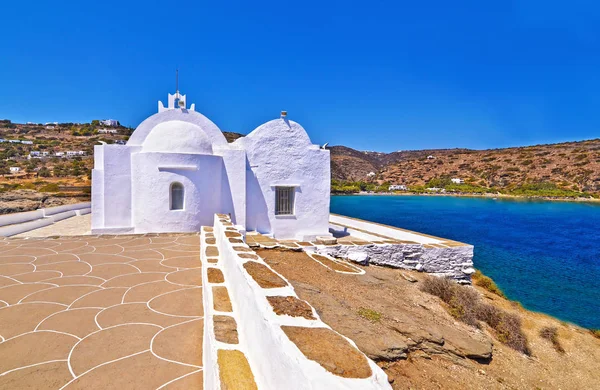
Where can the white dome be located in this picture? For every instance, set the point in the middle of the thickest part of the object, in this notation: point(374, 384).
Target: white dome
point(177, 137)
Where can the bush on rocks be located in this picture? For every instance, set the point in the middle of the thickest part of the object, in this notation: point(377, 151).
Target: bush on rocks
point(465, 305)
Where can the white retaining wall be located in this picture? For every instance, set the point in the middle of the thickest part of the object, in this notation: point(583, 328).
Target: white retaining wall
point(12, 224)
point(383, 230)
point(275, 361)
point(10, 219)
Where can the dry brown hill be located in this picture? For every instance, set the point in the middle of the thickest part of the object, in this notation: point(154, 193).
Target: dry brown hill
point(570, 165)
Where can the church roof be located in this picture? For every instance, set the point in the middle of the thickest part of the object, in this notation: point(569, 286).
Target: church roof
point(177, 137)
point(177, 111)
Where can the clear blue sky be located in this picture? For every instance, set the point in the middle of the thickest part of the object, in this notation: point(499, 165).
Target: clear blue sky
point(373, 75)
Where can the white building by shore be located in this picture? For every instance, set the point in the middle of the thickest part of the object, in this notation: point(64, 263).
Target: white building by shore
point(177, 170)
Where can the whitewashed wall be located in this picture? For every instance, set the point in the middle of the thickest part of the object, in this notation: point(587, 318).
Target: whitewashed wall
point(152, 176)
point(280, 153)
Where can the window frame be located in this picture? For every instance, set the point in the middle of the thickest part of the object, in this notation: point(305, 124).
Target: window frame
point(288, 209)
point(171, 198)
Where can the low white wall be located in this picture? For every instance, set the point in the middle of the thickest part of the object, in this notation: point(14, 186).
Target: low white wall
point(67, 207)
point(84, 211)
point(10, 219)
point(11, 230)
point(384, 230)
point(276, 362)
point(12, 224)
point(64, 215)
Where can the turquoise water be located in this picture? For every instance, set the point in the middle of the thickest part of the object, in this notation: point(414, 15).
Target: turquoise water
point(543, 254)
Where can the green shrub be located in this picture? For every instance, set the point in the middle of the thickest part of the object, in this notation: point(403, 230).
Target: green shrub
point(371, 315)
point(50, 187)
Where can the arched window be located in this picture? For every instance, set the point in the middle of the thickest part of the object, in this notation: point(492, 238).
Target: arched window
point(177, 195)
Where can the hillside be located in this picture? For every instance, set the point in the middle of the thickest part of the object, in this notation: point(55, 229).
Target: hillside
point(571, 166)
point(422, 342)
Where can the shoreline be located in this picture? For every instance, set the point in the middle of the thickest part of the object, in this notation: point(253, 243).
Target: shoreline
point(472, 195)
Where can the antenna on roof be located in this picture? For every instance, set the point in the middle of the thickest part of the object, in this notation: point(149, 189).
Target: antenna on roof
point(177, 80)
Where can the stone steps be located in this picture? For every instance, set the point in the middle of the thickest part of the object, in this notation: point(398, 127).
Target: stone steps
point(260, 333)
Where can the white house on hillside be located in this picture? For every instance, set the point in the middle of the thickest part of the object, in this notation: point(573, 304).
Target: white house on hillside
point(110, 122)
point(457, 181)
point(177, 170)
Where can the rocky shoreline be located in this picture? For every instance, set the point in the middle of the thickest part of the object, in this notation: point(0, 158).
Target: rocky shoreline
point(27, 200)
point(473, 195)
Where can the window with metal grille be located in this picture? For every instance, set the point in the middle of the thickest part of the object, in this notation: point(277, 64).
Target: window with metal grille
point(284, 200)
point(177, 195)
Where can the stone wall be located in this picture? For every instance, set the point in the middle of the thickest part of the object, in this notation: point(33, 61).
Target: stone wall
point(455, 262)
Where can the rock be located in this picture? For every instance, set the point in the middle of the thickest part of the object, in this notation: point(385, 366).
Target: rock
point(359, 257)
point(325, 240)
point(476, 347)
point(408, 277)
point(469, 271)
point(419, 267)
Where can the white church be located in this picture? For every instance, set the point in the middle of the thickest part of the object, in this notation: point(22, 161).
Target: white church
point(177, 170)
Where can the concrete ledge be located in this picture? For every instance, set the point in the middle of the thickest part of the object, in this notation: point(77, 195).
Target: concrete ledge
point(67, 207)
point(11, 230)
point(63, 215)
point(84, 211)
point(26, 216)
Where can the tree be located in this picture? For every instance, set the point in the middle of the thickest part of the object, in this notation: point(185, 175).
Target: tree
point(44, 172)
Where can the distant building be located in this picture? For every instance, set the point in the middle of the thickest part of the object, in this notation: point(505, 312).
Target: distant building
point(34, 153)
point(45, 154)
point(50, 127)
point(430, 157)
point(398, 187)
point(59, 154)
point(436, 189)
point(2, 140)
point(14, 141)
point(27, 142)
point(110, 122)
point(14, 169)
point(370, 174)
point(71, 153)
point(107, 131)
point(51, 123)
point(120, 142)
point(457, 181)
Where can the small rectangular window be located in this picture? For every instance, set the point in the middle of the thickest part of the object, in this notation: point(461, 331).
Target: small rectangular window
point(284, 200)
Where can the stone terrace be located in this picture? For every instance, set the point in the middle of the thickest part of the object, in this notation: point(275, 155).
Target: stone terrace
point(98, 312)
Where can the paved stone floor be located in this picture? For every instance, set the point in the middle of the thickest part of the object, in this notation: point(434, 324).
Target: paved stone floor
point(101, 312)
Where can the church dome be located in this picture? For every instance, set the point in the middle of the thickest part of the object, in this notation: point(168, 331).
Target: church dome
point(177, 137)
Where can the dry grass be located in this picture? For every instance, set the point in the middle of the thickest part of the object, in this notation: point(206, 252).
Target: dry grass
point(465, 305)
point(551, 333)
point(481, 280)
point(595, 333)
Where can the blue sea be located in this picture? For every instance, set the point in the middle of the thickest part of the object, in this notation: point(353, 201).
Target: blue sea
point(544, 254)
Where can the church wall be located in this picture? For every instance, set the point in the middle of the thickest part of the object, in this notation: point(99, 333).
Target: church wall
point(152, 176)
point(233, 183)
point(279, 154)
point(111, 187)
point(117, 186)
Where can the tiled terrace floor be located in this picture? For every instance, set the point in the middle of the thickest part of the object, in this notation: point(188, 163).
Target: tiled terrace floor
point(101, 312)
